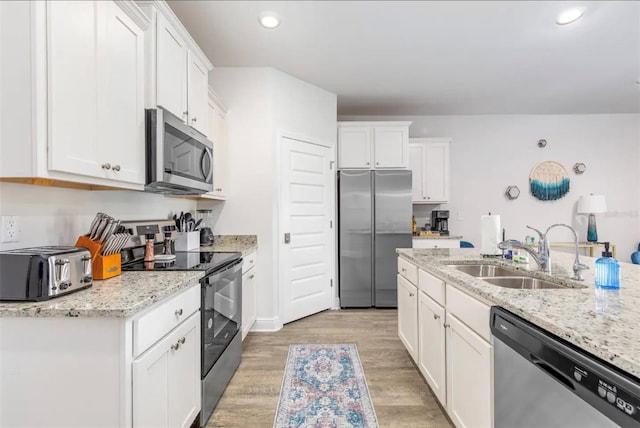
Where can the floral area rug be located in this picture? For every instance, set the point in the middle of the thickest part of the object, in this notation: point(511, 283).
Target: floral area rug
point(324, 386)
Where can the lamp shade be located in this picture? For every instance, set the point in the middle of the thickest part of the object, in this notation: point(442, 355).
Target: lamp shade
point(592, 204)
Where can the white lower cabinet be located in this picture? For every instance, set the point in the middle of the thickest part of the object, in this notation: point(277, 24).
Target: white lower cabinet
point(249, 293)
point(469, 376)
point(431, 342)
point(450, 345)
point(408, 316)
point(166, 379)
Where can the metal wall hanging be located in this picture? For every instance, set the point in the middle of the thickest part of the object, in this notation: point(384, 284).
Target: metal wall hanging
point(542, 143)
point(512, 192)
point(549, 181)
point(579, 168)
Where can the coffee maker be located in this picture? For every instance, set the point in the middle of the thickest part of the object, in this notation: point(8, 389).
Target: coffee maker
point(440, 221)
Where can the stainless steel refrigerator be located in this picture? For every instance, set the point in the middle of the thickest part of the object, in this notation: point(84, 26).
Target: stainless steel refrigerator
point(374, 219)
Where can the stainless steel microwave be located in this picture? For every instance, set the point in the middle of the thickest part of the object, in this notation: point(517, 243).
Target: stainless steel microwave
point(179, 158)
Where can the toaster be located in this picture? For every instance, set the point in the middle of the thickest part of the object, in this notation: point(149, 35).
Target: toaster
point(42, 273)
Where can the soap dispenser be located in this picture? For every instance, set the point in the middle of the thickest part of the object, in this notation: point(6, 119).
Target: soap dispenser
point(607, 270)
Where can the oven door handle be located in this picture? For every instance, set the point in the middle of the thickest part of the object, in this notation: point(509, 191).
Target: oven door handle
point(235, 266)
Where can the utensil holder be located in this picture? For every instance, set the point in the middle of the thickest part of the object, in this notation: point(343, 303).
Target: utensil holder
point(103, 267)
point(186, 241)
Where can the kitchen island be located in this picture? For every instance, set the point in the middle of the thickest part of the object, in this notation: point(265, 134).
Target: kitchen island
point(124, 352)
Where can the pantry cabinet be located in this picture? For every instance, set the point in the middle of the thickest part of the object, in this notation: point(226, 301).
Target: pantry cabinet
point(454, 352)
point(373, 145)
point(84, 97)
point(429, 162)
point(177, 71)
point(217, 121)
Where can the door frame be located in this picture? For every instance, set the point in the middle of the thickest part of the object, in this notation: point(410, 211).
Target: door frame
point(278, 227)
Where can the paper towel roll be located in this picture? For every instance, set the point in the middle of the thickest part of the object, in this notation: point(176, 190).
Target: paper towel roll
point(490, 235)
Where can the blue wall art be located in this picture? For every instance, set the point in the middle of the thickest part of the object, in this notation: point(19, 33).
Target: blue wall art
point(549, 181)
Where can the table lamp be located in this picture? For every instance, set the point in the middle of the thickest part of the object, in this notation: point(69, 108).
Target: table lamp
point(592, 204)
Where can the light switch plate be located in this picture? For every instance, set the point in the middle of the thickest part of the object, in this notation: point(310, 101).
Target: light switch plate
point(10, 229)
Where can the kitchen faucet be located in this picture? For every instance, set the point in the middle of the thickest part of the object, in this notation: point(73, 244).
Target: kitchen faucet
point(542, 257)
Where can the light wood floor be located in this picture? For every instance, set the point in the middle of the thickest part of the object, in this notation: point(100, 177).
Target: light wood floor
point(400, 395)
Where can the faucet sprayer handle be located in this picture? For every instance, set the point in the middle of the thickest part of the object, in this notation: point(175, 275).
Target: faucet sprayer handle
point(577, 271)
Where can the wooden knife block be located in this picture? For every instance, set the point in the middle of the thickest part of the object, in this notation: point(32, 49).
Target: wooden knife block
point(103, 267)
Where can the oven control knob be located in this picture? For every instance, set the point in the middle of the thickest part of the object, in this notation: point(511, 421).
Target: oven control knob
point(611, 397)
point(577, 375)
point(602, 392)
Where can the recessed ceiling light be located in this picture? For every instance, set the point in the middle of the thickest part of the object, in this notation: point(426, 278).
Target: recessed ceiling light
point(269, 19)
point(569, 16)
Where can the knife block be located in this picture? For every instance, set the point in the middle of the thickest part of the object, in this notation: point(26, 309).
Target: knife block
point(103, 267)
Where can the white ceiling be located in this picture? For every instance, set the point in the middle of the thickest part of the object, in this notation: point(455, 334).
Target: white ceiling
point(420, 58)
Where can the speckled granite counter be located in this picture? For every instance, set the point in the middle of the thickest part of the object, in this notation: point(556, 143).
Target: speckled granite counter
point(601, 322)
point(232, 244)
point(118, 297)
point(439, 237)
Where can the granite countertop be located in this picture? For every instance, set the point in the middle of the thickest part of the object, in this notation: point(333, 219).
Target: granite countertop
point(231, 244)
point(602, 322)
point(119, 297)
point(439, 237)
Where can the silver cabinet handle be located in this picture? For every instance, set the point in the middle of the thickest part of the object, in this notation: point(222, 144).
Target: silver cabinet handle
point(175, 347)
point(377, 163)
point(116, 167)
point(106, 166)
point(182, 340)
point(435, 316)
point(251, 276)
point(411, 294)
point(428, 197)
point(424, 197)
point(367, 163)
point(403, 270)
point(195, 119)
point(446, 325)
point(178, 312)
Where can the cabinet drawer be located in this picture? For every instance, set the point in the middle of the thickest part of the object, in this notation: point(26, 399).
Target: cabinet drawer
point(431, 286)
point(470, 311)
point(408, 270)
point(249, 262)
point(153, 325)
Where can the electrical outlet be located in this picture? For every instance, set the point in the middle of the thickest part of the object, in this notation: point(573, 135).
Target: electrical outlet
point(10, 229)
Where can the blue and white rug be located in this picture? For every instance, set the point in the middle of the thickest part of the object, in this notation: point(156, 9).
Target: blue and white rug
point(324, 386)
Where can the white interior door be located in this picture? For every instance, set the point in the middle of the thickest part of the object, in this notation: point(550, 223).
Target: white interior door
point(306, 213)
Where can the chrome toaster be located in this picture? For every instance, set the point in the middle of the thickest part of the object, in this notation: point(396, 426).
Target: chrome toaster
point(41, 273)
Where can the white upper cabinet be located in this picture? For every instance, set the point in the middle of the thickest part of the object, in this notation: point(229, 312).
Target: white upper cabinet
point(198, 94)
point(372, 145)
point(171, 72)
point(429, 161)
point(178, 71)
point(96, 91)
point(216, 118)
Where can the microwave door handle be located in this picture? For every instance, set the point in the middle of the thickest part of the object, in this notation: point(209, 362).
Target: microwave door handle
point(208, 174)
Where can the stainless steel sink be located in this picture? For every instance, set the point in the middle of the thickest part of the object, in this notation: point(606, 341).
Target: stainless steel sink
point(523, 283)
point(481, 270)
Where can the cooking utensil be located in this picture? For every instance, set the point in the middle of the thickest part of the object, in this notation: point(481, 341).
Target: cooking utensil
point(192, 225)
point(197, 224)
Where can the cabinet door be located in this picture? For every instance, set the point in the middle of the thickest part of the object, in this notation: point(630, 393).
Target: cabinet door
point(72, 81)
point(408, 316)
point(121, 95)
point(436, 172)
point(166, 379)
point(390, 146)
point(469, 376)
point(198, 93)
point(249, 303)
point(431, 342)
point(416, 162)
point(171, 71)
point(354, 147)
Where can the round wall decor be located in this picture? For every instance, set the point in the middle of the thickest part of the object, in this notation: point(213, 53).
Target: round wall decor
point(549, 181)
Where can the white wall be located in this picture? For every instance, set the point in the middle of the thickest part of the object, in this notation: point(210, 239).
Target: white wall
point(263, 103)
point(489, 153)
point(57, 216)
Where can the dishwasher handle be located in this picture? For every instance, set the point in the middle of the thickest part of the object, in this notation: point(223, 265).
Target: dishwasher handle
point(551, 371)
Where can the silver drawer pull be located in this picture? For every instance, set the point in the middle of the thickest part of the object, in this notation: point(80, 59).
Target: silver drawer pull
point(251, 276)
point(116, 168)
point(178, 312)
point(175, 347)
point(106, 166)
point(435, 317)
point(182, 340)
point(446, 325)
point(404, 270)
point(411, 294)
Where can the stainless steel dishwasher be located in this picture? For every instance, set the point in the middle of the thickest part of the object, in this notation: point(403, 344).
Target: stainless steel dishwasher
point(542, 381)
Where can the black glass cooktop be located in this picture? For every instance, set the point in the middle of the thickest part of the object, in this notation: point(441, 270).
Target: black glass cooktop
point(208, 262)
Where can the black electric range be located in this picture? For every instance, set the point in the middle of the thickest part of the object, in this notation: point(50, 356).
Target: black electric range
point(208, 262)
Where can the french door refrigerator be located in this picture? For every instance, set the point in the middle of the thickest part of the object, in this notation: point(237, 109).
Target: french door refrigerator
point(374, 219)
